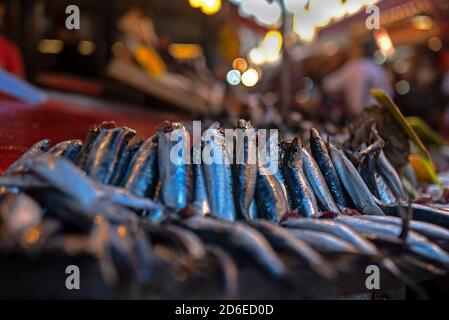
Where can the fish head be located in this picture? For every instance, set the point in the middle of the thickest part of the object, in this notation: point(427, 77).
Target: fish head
point(292, 151)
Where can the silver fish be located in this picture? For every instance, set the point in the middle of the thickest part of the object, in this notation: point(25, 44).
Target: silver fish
point(322, 241)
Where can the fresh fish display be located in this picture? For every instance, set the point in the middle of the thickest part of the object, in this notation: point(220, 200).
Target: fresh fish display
point(150, 217)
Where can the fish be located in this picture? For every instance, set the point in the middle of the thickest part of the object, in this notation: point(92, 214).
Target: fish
point(253, 210)
point(89, 141)
point(124, 161)
point(142, 173)
point(173, 162)
point(218, 174)
point(270, 197)
point(389, 175)
point(420, 212)
point(229, 270)
point(429, 230)
point(238, 239)
point(245, 168)
point(105, 153)
point(18, 214)
point(302, 196)
point(38, 148)
point(418, 243)
point(316, 180)
point(281, 239)
point(200, 199)
point(360, 195)
point(322, 241)
point(336, 229)
point(67, 149)
point(321, 155)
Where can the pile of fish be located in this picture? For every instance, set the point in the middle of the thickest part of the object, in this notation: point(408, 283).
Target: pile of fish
point(124, 202)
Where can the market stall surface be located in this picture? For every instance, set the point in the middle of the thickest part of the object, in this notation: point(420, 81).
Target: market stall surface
point(65, 117)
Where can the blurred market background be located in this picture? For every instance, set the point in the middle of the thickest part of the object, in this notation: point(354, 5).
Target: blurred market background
point(290, 64)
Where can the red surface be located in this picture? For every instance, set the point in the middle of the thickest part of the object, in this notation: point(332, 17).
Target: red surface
point(21, 125)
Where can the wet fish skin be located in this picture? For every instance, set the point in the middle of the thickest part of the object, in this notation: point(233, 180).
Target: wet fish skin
point(105, 153)
point(270, 197)
point(302, 196)
point(337, 229)
point(324, 197)
point(429, 230)
point(123, 162)
point(218, 174)
point(246, 172)
point(421, 212)
point(324, 162)
point(67, 149)
point(142, 174)
point(200, 199)
point(418, 244)
point(253, 210)
point(389, 174)
point(360, 195)
point(38, 148)
point(239, 239)
point(89, 141)
point(175, 175)
point(281, 239)
point(367, 170)
point(322, 241)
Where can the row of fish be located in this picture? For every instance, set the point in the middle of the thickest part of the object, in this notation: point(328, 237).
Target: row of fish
point(126, 194)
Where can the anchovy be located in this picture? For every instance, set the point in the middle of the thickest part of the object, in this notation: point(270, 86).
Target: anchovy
point(229, 271)
point(218, 173)
point(354, 184)
point(325, 200)
point(245, 168)
point(105, 153)
point(323, 242)
point(89, 141)
point(178, 237)
point(386, 195)
point(418, 244)
point(421, 212)
point(239, 239)
point(270, 197)
point(173, 161)
point(142, 174)
point(36, 149)
point(302, 196)
point(337, 229)
point(281, 239)
point(67, 149)
point(123, 163)
point(324, 162)
point(200, 200)
point(389, 174)
point(18, 213)
point(428, 230)
point(367, 170)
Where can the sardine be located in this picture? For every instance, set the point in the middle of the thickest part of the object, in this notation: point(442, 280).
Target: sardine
point(429, 230)
point(105, 153)
point(142, 174)
point(324, 197)
point(270, 197)
point(36, 149)
point(173, 160)
point(218, 173)
point(360, 195)
point(239, 239)
point(337, 229)
point(302, 196)
point(418, 244)
point(421, 212)
point(200, 199)
point(322, 241)
point(245, 168)
point(67, 149)
point(389, 174)
point(281, 239)
point(324, 162)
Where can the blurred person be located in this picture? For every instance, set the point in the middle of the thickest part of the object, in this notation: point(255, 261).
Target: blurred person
point(356, 78)
point(10, 57)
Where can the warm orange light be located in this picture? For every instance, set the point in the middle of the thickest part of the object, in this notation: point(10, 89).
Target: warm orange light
point(32, 236)
point(240, 64)
point(185, 51)
point(384, 42)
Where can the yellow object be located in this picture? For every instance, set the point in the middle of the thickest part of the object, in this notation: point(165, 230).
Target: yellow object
point(421, 168)
point(425, 132)
point(150, 60)
point(185, 51)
